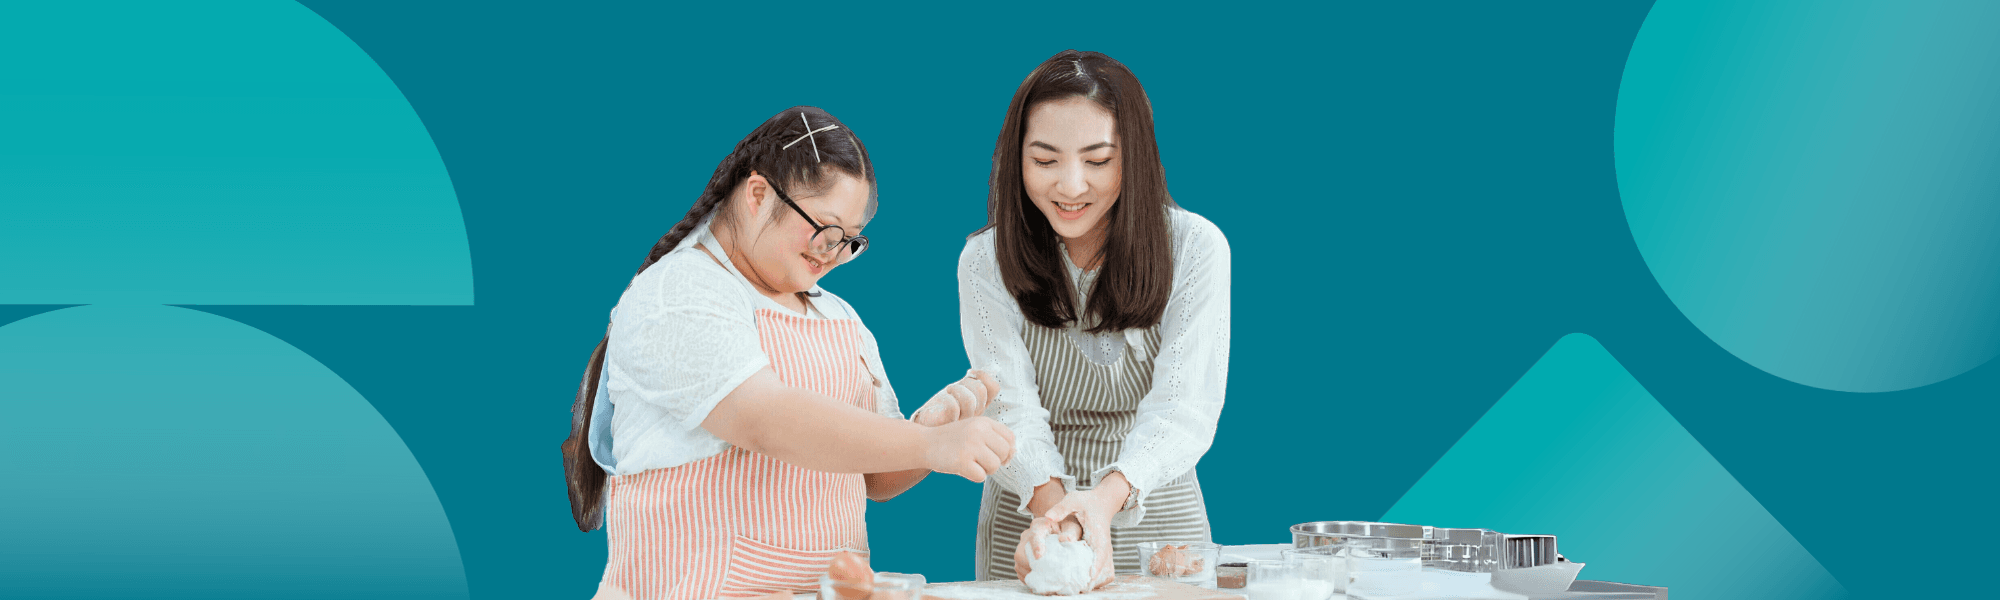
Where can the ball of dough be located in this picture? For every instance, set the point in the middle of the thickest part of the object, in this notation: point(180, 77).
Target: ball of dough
point(1063, 569)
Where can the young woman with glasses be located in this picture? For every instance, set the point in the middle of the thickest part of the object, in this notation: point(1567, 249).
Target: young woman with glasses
point(729, 427)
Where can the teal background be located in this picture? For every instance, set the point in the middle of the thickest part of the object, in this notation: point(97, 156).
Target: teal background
point(1422, 199)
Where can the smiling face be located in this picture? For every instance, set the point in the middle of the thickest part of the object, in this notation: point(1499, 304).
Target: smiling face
point(779, 261)
point(1070, 167)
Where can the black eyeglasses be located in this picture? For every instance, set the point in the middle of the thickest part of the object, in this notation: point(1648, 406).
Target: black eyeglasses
point(822, 242)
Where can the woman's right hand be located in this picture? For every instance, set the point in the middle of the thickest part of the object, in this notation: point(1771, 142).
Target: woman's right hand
point(971, 448)
point(1037, 532)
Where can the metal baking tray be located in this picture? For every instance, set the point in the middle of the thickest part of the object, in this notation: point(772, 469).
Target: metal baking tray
point(1328, 533)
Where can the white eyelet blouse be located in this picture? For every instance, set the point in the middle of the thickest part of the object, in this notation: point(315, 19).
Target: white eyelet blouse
point(1177, 417)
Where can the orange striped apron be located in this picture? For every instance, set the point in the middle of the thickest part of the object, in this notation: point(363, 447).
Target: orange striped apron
point(741, 524)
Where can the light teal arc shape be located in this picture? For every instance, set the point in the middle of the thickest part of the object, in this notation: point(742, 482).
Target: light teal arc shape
point(161, 452)
point(1816, 184)
point(229, 152)
point(1578, 450)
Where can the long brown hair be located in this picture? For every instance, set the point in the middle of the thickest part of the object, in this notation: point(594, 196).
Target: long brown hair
point(1136, 275)
point(802, 167)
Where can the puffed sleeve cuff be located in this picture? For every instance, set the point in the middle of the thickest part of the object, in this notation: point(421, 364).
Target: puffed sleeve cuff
point(1134, 509)
point(1031, 469)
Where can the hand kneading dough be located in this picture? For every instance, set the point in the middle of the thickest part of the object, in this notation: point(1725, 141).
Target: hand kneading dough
point(1063, 569)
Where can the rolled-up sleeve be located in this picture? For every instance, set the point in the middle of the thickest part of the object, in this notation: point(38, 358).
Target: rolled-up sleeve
point(682, 345)
point(1177, 418)
point(990, 322)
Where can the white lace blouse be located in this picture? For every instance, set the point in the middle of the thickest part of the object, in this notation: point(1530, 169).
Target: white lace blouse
point(1177, 417)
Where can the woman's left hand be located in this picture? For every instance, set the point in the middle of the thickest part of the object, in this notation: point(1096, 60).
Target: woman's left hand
point(1093, 509)
point(963, 399)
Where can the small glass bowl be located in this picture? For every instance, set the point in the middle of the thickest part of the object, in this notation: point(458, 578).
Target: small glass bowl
point(1322, 571)
point(1192, 563)
point(1271, 580)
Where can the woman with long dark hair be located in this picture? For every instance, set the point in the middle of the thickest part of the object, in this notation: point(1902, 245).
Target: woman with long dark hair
point(1102, 308)
point(730, 426)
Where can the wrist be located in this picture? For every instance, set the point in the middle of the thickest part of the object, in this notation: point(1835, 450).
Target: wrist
point(1045, 496)
point(1109, 500)
point(1113, 491)
point(926, 442)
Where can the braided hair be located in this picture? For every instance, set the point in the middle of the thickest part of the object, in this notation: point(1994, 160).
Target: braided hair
point(804, 165)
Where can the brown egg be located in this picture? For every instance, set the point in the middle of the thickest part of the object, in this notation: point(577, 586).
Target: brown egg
point(852, 579)
point(1174, 561)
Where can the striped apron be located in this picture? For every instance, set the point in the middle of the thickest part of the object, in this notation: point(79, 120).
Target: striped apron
point(1091, 408)
point(741, 524)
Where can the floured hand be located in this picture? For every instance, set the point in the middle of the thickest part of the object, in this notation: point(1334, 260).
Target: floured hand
point(973, 448)
point(1093, 509)
point(967, 397)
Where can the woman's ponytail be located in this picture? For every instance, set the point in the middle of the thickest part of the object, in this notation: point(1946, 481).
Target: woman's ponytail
point(586, 478)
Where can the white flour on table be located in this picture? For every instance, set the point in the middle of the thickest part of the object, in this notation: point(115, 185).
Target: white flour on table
point(1015, 590)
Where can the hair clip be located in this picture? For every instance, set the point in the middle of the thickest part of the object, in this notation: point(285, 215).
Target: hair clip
point(809, 135)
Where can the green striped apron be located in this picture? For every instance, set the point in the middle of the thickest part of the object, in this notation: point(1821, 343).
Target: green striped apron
point(1092, 404)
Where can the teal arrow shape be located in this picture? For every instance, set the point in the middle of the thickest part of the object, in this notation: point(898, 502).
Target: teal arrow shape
point(1579, 450)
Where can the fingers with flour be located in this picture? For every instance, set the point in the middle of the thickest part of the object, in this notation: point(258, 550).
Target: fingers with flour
point(966, 398)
